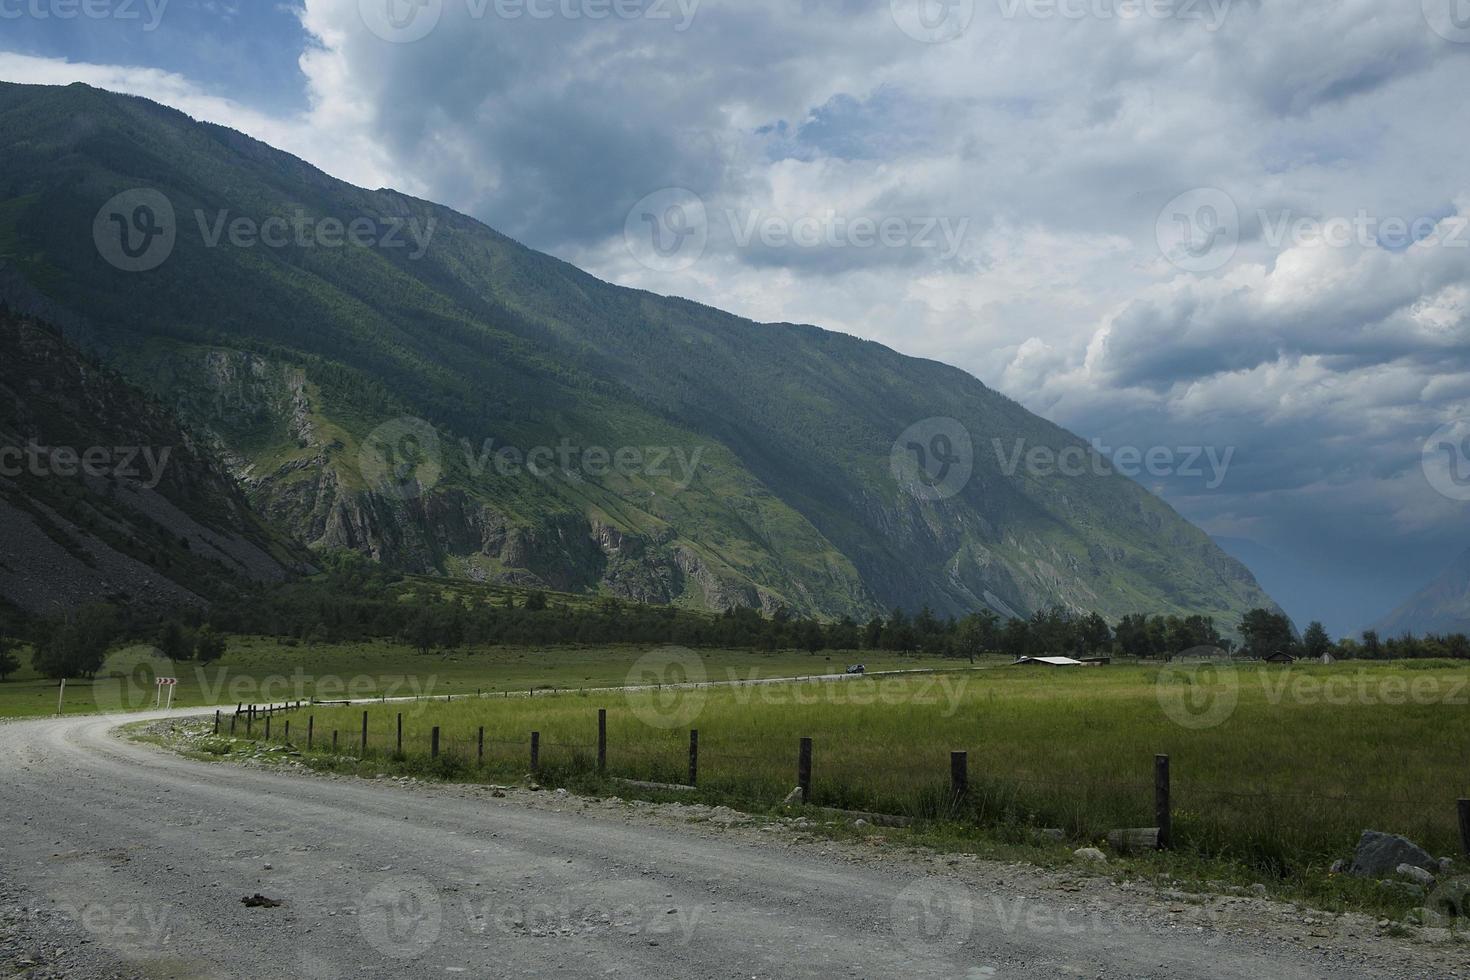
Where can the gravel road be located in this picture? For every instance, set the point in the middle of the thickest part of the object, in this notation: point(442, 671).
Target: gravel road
point(121, 859)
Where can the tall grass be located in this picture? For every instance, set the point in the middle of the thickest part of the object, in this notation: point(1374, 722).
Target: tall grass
point(1288, 778)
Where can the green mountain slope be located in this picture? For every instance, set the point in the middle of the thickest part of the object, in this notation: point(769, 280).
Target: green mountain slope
point(290, 359)
point(103, 496)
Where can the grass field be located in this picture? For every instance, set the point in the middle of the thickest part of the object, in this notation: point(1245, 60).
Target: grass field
point(1276, 768)
point(261, 670)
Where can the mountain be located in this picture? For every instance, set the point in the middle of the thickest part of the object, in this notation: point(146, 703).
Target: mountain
point(1442, 606)
point(102, 496)
point(353, 390)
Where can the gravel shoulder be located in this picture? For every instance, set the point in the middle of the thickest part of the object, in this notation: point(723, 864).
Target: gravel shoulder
point(126, 860)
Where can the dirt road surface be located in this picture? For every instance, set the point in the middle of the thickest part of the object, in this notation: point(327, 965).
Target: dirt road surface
point(119, 859)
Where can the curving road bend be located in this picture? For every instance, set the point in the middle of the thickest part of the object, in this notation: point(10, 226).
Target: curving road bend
point(120, 859)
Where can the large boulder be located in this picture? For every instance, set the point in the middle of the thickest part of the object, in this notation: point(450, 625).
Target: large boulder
point(1381, 854)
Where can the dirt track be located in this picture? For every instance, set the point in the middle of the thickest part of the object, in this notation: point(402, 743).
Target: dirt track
point(120, 859)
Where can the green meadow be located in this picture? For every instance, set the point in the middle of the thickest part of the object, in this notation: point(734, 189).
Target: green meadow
point(1276, 768)
point(261, 670)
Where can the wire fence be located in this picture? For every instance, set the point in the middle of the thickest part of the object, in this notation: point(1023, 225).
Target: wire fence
point(1263, 824)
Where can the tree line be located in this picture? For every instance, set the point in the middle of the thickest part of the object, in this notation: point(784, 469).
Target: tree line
point(358, 601)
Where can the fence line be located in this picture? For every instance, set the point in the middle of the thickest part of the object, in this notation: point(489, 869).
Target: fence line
point(961, 786)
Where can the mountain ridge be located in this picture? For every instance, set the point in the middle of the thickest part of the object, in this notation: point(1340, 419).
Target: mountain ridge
point(288, 361)
point(1442, 606)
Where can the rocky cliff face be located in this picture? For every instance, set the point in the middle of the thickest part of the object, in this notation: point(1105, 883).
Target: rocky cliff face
point(104, 496)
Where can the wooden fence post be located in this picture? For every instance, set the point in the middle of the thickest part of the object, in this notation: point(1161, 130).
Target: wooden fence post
point(1465, 825)
point(535, 751)
point(267, 728)
point(400, 733)
point(250, 725)
point(602, 740)
point(434, 743)
point(288, 730)
point(480, 751)
point(694, 757)
point(959, 775)
point(804, 770)
point(216, 721)
point(334, 741)
point(1163, 813)
point(310, 731)
point(232, 724)
point(363, 752)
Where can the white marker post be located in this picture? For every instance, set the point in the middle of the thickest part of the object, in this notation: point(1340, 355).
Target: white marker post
point(61, 696)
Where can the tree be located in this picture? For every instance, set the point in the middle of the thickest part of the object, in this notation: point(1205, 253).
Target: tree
point(9, 663)
point(1015, 638)
point(421, 633)
point(536, 602)
point(1372, 646)
point(1315, 641)
point(1266, 633)
point(873, 634)
point(209, 645)
point(843, 635)
point(78, 647)
point(1094, 633)
point(175, 642)
point(978, 632)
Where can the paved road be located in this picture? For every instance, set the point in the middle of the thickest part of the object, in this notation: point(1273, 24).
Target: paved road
point(138, 860)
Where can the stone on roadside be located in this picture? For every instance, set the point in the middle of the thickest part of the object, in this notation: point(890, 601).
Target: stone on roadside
point(1091, 854)
point(1417, 875)
point(1380, 854)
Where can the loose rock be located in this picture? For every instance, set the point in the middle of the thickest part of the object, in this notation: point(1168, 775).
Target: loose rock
point(1381, 854)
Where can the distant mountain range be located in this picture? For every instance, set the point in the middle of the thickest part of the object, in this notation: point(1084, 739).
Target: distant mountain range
point(395, 400)
point(1442, 606)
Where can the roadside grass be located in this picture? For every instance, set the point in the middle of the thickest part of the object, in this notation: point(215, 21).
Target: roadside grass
point(262, 670)
point(1277, 787)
